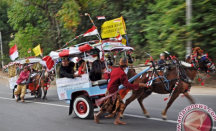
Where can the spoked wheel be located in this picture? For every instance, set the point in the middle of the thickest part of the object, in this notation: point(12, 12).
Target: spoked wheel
point(83, 107)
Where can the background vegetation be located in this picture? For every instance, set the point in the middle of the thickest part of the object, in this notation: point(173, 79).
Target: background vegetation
point(152, 25)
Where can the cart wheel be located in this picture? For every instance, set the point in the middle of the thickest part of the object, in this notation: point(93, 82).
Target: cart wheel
point(83, 107)
point(13, 96)
point(15, 87)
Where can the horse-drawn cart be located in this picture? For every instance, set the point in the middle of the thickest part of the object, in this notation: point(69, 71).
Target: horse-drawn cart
point(34, 64)
point(81, 93)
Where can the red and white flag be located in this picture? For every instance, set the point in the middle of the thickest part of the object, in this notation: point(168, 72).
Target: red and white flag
point(101, 17)
point(13, 53)
point(29, 51)
point(119, 37)
point(92, 31)
point(117, 20)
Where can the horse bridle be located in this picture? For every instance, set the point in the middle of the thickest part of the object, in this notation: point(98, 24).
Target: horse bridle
point(207, 64)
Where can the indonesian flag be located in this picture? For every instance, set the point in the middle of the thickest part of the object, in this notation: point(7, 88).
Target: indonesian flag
point(49, 62)
point(13, 53)
point(101, 17)
point(117, 20)
point(29, 51)
point(119, 37)
point(92, 31)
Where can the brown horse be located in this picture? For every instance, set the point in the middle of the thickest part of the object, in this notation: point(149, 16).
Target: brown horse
point(159, 87)
point(42, 80)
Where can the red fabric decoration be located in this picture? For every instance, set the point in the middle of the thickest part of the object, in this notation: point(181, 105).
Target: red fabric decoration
point(165, 99)
point(202, 83)
point(199, 79)
point(49, 62)
point(64, 53)
point(85, 47)
point(123, 92)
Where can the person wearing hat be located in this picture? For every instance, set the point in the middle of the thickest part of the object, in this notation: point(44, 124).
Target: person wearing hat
point(112, 101)
point(67, 69)
point(21, 84)
point(161, 61)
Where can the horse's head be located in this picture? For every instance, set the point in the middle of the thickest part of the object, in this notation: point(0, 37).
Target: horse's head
point(131, 73)
point(201, 61)
point(51, 75)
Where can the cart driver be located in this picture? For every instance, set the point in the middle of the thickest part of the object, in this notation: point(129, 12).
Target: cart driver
point(161, 61)
point(67, 69)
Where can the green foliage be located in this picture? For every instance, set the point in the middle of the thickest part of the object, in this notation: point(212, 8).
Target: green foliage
point(152, 26)
point(5, 30)
point(165, 27)
point(203, 27)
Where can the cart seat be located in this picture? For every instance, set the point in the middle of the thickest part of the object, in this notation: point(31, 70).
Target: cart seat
point(99, 82)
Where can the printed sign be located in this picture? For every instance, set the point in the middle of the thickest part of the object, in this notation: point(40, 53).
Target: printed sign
point(113, 27)
point(68, 84)
point(68, 81)
point(63, 89)
point(62, 95)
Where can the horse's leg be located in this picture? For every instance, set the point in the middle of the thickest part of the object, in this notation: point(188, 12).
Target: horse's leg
point(140, 99)
point(172, 99)
point(34, 91)
point(135, 94)
point(45, 92)
point(189, 97)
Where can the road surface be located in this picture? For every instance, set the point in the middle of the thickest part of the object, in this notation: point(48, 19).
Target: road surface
point(53, 115)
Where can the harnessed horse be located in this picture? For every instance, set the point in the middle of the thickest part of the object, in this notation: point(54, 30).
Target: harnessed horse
point(42, 80)
point(184, 74)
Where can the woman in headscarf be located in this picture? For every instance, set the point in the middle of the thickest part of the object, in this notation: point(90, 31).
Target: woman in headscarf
point(112, 101)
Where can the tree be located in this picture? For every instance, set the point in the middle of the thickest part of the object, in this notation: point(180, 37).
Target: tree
point(5, 29)
point(203, 27)
point(165, 27)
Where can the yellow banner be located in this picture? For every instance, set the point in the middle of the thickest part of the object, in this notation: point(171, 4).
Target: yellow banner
point(124, 41)
point(37, 50)
point(113, 27)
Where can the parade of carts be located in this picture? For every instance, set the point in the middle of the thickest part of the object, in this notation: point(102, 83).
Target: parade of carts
point(175, 77)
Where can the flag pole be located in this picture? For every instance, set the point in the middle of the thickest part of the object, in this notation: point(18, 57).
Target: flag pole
point(125, 32)
point(92, 23)
point(1, 52)
point(71, 40)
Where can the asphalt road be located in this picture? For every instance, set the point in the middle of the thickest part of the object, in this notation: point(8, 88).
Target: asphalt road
point(53, 115)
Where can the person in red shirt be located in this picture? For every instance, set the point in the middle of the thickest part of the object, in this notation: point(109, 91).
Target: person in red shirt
point(113, 103)
point(21, 84)
point(82, 67)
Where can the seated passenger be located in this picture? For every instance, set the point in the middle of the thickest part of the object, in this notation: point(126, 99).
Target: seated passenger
point(82, 67)
point(96, 71)
point(66, 69)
